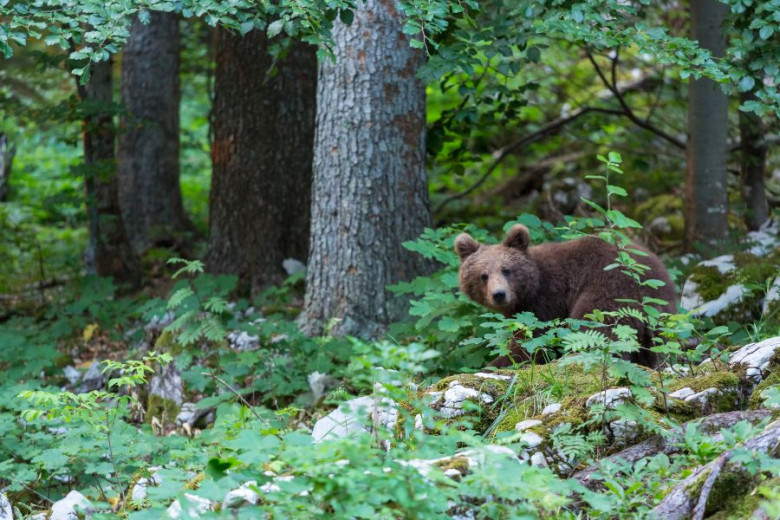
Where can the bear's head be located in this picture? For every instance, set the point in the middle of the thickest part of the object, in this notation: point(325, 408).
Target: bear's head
point(501, 277)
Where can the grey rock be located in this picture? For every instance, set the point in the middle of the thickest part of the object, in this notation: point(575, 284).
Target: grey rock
point(456, 395)
point(140, 488)
point(772, 298)
point(490, 375)
point(69, 507)
point(168, 384)
point(6, 511)
point(551, 409)
point(292, 266)
point(609, 398)
point(353, 417)
point(538, 459)
point(72, 375)
point(242, 341)
point(196, 506)
point(624, 431)
point(531, 439)
point(321, 383)
point(158, 323)
point(682, 393)
point(190, 414)
point(765, 239)
point(93, 379)
point(755, 358)
point(528, 423)
point(242, 496)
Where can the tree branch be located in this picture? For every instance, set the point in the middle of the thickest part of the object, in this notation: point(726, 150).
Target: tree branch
point(627, 111)
point(501, 154)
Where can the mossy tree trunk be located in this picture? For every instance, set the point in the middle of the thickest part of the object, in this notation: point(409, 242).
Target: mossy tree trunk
point(262, 158)
point(108, 249)
point(706, 202)
point(148, 151)
point(370, 189)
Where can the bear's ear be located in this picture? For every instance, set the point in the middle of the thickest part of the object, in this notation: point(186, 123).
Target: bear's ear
point(518, 237)
point(465, 246)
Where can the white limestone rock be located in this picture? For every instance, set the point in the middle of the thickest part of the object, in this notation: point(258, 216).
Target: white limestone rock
point(609, 398)
point(538, 459)
point(551, 409)
point(140, 488)
point(168, 385)
point(242, 341)
point(682, 393)
point(71, 507)
point(320, 383)
point(456, 395)
point(6, 511)
point(624, 431)
point(355, 417)
point(292, 266)
point(755, 358)
point(196, 506)
point(242, 496)
point(528, 423)
point(531, 439)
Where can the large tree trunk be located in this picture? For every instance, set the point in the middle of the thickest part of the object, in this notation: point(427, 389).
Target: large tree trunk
point(108, 250)
point(753, 150)
point(370, 189)
point(706, 202)
point(262, 158)
point(148, 152)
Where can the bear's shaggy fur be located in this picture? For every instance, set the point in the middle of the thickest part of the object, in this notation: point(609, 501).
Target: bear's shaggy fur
point(556, 280)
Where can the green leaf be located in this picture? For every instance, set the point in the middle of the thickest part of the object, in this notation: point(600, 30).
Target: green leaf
point(766, 31)
point(346, 16)
point(615, 157)
point(275, 28)
point(622, 221)
point(746, 83)
point(616, 190)
point(534, 54)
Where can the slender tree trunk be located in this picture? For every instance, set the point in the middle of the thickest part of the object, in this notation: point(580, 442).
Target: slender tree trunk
point(706, 201)
point(148, 152)
point(262, 158)
point(7, 153)
point(753, 151)
point(370, 189)
point(108, 250)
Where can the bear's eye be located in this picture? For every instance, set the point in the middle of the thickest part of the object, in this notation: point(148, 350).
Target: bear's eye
point(484, 277)
point(505, 271)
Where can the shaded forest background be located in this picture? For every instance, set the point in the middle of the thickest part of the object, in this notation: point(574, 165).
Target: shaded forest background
point(219, 221)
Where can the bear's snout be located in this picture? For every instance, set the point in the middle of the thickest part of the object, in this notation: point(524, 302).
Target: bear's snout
point(499, 297)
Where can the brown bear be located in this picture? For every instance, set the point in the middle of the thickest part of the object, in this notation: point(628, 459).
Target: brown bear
point(556, 280)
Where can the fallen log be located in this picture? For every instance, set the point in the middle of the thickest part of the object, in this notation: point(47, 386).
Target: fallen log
point(670, 444)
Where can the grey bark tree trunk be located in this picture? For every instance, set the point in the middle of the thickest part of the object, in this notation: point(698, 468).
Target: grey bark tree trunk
point(262, 158)
point(148, 151)
point(706, 202)
point(370, 189)
point(753, 158)
point(7, 153)
point(108, 249)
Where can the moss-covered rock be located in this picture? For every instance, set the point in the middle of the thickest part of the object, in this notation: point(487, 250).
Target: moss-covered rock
point(728, 288)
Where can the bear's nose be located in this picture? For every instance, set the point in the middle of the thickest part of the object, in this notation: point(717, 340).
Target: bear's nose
point(499, 296)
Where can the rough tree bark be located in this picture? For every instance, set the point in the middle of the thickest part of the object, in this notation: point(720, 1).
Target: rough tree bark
point(148, 151)
point(108, 249)
point(7, 153)
point(753, 149)
point(370, 188)
point(706, 202)
point(262, 158)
